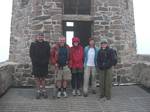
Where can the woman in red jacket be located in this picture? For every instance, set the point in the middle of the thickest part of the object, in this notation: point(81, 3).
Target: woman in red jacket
point(76, 65)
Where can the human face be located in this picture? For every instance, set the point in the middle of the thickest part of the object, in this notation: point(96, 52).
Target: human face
point(62, 41)
point(39, 38)
point(76, 43)
point(91, 43)
point(104, 45)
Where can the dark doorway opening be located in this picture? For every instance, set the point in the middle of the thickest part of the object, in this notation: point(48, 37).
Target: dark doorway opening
point(81, 29)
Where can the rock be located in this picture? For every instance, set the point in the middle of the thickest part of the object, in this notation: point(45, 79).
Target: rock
point(41, 18)
point(37, 27)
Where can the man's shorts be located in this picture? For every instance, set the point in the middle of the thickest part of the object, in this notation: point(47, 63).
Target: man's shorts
point(40, 71)
point(64, 74)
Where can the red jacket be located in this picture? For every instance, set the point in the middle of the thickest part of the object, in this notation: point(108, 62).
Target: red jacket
point(76, 57)
point(54, 54)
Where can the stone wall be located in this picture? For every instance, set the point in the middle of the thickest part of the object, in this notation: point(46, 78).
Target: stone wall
point(6, 73)
point(142, 58)
point(30, 17)
point(141, 70)
point(114, 19)
point(23, 76)
point(19, 75)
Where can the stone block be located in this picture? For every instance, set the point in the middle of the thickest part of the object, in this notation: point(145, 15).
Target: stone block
point(7, 70)
point(142, 73)
point(41, 18)
point(37, 27)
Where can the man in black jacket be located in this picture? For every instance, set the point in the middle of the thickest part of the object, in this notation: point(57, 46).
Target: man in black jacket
point(105, 63)
point(39, 54)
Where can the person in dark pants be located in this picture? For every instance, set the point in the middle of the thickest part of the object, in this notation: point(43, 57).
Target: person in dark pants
point(39, 54)
point(76, 65)
point(105, 63)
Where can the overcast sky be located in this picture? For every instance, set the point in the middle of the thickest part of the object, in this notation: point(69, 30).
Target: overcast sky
point(5, 21)
point(142, 22)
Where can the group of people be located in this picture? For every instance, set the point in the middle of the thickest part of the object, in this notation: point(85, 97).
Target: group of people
point(83, 63)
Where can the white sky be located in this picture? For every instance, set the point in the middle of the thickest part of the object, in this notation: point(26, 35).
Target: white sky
point(5, 21)
point(142, 22)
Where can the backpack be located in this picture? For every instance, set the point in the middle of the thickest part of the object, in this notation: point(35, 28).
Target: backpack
point(114, 57)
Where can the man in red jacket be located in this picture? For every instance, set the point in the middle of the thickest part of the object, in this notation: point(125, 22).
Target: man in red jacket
point(76, 65)
point(60, 58)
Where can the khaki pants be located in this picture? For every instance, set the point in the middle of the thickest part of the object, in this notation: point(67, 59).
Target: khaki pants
point(87, 72)
point(63, 74)
point(105, 82)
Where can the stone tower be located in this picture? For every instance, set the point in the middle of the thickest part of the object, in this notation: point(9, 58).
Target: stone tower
point(111, 19)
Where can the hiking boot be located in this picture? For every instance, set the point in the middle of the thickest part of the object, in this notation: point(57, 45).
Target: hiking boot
point(38, 95)
point(45, 94)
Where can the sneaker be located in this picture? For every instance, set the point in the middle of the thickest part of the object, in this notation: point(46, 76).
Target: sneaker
point(59, 94)
point(38, 95)
point(74, 93)
point(78, 93)
point(94, 91)
point(102, 96)
point(108, 98)
point(85, 95)
point(102, 99)
point(65, 94)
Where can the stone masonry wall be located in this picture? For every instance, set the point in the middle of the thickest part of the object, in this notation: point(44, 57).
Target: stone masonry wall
point(30, 17)
point(6, 73)
point(114, 20)
point(141, 70)
point(23, 76)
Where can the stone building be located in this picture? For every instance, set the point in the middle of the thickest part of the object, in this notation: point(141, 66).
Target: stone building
point(111, 19)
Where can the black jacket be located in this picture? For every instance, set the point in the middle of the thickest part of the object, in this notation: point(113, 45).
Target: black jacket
point(104, 58)
point(40, 53)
